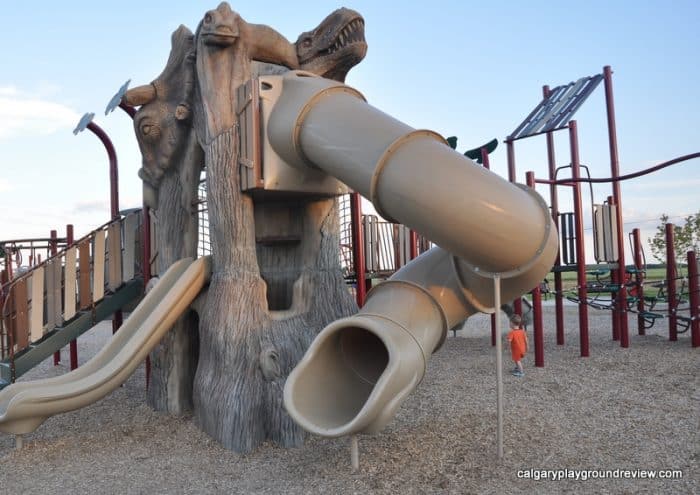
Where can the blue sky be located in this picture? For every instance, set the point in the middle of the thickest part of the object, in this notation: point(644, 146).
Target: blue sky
point(470, 69)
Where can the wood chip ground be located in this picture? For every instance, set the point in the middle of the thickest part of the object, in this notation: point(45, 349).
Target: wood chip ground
point(620, 409)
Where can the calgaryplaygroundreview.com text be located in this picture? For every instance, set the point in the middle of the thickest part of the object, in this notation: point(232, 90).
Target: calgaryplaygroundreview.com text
point(598, 474)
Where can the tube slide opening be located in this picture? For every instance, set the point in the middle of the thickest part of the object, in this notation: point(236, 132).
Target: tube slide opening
point(334, 387)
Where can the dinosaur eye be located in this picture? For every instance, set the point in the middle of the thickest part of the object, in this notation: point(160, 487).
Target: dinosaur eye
point(306, 43)
point(207, 18)
point(149, 130)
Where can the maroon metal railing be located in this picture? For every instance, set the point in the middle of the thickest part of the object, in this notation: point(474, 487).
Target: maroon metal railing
point(17, 300)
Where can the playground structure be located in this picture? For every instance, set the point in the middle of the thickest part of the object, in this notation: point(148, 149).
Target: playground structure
point(377, 356)
point(555, 113)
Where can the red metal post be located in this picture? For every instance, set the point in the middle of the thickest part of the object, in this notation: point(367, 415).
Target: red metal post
point(113, 168)
point(358, 247)
point(146, 243)
point(73, 345)
point(617, 196)
point(510, 151)
point(694, 296)
point(117, 320)
point(413, 247)
point(580, 251)
point(537, 305)
point(113, 193)
point(671, 283)
point(8, 264)
point(53, 250)
point(614, 279)
point(554, 202)
point(639, 279)
point(487, 165)
point(131, 111)
point(4, 279)
point(146, 266)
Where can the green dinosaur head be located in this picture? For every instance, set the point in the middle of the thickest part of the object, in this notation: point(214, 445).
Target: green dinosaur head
point(335, 46)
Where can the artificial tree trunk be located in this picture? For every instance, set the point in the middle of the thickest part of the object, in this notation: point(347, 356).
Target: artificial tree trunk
point(172, 163)
point(174, 360)
point(253, 333)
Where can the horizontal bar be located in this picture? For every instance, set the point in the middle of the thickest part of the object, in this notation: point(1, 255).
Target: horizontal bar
point(621, 177)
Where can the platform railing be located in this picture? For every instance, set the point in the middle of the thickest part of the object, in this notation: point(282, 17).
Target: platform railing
point(388, 245)
point(72, 281)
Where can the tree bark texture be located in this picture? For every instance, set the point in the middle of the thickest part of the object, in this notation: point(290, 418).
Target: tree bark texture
point(172, 163)
point(247, 350)
point(174, 360)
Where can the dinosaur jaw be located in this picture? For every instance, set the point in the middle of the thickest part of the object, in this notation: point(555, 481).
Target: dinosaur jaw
point(338, 49)
point(219, 39)
point(337, 64)
point(352, 33)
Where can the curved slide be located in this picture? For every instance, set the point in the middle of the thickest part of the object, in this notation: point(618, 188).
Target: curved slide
point(358, 370)
point(25, 405)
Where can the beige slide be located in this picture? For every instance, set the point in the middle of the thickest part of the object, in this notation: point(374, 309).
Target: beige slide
point(360, 369)
point(25, 405)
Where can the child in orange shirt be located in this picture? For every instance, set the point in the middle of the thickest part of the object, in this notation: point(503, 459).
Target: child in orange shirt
point(518, 344)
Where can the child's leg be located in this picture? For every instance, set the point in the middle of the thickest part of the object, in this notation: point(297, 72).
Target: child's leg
point(519, 364)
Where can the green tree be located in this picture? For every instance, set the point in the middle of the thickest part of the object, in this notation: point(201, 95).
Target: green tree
point(686, 237)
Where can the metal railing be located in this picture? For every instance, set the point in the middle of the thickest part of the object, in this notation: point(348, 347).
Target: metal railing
point(18, 255)
point(204, 241)
point(387, 245)
point(75, 278)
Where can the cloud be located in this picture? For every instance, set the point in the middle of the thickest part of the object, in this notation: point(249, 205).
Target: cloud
point(92, 206)
point(25, 114)
point(8, 91)
point(656, 185)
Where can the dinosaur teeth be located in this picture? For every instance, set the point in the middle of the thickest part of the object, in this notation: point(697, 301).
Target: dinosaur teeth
point(351, 33)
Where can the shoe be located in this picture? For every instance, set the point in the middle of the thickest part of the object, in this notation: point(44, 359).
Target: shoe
point(514, 372)
point(519, 374)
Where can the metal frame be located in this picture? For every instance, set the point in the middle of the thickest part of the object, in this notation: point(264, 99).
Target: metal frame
point(17, 315)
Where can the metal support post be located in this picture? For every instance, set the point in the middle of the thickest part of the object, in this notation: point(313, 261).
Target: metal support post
point(580, 251)
point(639, 279)
point(694, 298)
point(621, 308)
point(537, 306)
point(53, 250)
point(499, 368)
point(73, 345)
point(358, 247)
point(671, 275)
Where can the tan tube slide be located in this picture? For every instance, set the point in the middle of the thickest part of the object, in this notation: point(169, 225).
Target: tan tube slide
point(358, 370)
point(25, 405)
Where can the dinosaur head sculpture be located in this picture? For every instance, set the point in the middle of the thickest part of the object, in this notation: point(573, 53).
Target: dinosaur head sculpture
point(223, 27)
point(163, 121)
point(335, 46)
point(220, 26)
